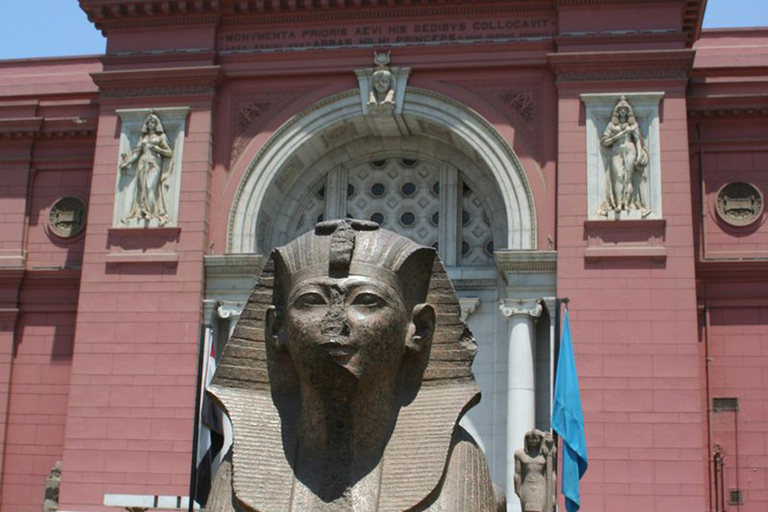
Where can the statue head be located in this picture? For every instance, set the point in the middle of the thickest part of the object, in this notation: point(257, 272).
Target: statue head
point(533, 441)
point(382, 80)
point(349, 305)
point(623, 112)
point(152, 124)
point(344, 312)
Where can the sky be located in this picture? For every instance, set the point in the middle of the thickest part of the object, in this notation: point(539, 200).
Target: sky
point(53, 28)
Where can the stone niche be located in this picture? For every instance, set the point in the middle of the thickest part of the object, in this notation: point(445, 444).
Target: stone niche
point(148, 170)
point(623, 158)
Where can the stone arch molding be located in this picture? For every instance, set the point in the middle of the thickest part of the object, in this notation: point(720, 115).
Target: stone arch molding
point(440, 118)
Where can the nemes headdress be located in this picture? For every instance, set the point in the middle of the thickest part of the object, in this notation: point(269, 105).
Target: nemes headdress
point(251, 376)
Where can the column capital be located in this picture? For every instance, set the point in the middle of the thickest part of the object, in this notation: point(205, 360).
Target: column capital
point(209, 308)
point(511, 308)
point(230, 309)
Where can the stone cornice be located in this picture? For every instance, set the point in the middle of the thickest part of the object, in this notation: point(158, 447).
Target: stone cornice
point(47, 127)
point(385, 10)
point(570, 3)
point(692, 14)
point(181, 81)
point(122, 14)
point(730, 270)
point(526, 262)
point(580, 67)
point(234, 265)
point(733, 106)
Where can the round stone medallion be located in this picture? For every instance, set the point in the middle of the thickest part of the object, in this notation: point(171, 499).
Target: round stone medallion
point(67, 217)
point(739, 204)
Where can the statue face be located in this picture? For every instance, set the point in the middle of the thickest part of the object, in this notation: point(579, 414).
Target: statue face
point(346, 332)
point(533, 443)
point(151, 124)
point(381, 82)
point(623, 114)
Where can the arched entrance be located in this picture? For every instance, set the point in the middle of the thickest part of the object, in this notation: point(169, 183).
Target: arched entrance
point(436, 172)
point(334, 134)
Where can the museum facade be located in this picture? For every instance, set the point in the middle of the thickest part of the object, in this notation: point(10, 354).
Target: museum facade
point(605, 151)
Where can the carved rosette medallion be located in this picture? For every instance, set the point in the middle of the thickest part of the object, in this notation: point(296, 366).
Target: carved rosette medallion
point(67, 217)
point(739, 204)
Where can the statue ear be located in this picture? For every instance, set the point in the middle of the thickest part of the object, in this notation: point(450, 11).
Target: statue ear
point(421, 329)
point(273, 329)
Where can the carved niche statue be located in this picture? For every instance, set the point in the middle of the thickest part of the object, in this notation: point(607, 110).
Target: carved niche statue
point(345, 380)
point(52, 483)
point(151, 158)
point(382, 95)
point(535, 472)
point(626, 157)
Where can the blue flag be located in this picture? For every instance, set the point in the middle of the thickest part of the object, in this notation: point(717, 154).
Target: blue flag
point(568, 420)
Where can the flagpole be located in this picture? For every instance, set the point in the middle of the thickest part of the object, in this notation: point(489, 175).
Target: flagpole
point(555, 436)
point(196, 430)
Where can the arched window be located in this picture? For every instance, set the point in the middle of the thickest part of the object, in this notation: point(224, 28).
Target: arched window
point(426, 199)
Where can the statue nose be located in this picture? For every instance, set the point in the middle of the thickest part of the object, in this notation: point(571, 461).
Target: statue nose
point(335, 322)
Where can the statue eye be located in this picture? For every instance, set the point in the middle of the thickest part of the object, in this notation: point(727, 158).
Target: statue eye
point(368, 300)
point(310, 299)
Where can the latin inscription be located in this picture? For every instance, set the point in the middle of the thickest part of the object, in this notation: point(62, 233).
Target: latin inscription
point(385, 34)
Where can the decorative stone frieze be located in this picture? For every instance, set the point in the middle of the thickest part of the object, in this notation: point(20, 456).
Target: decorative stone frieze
point(623, 156)
point(149, 167)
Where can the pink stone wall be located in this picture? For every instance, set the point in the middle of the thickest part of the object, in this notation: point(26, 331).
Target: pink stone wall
point(37, 406)
point(132, 394)
point(45, 155)
point(728, 134)
point(635, 329)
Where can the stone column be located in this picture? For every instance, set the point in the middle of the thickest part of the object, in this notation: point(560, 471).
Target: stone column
point(521, 393)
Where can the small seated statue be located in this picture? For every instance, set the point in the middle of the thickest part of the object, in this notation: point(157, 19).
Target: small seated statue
point(345, 380)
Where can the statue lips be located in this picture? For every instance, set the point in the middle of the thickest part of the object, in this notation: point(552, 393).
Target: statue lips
point(339, 349)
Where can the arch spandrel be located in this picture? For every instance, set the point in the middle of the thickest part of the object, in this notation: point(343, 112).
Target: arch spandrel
point(308, 138)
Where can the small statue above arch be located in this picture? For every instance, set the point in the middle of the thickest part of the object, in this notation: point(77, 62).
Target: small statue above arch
point(382, 88)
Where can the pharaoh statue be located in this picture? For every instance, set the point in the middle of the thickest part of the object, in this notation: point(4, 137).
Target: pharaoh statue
point(626, 157)
point(535, 472)
point(382, 92)
point(151, 158)
point(52, 483)
point(345, 380)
